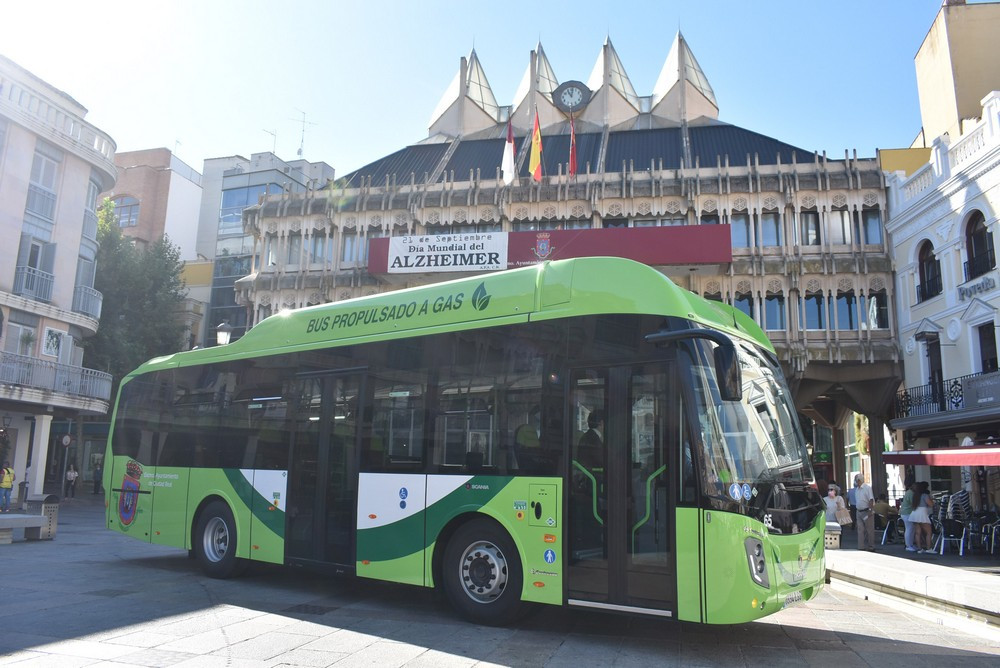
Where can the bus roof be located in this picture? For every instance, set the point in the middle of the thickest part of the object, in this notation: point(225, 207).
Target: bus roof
point(557, 289)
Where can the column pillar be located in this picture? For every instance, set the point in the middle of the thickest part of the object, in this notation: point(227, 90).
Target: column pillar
point(839, 470)
point(876, 444)
point(39, 455)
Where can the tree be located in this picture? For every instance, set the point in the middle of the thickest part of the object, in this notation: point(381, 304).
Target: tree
point(143, 300)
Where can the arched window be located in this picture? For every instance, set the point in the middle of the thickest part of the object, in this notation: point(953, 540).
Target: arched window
point(813, 312)
point(127, 210)
point(744, 302)
point(930, 273)
point(847, 310)
point(774, 311)
point(978, 247)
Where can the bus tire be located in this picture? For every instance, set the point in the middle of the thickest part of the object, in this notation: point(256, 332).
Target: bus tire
point(481, 573)
point(215, 541)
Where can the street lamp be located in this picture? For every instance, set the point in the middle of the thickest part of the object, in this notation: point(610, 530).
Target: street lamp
point(223, 332)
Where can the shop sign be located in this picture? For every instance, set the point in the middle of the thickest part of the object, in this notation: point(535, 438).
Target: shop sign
point(968, 292)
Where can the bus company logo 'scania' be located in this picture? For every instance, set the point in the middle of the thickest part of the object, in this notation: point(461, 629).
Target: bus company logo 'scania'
point(129, 499)
point(543, 246)
point(480, 298)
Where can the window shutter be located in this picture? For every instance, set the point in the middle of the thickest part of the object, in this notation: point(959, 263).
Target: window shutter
point(48, 259)
point(24, 250)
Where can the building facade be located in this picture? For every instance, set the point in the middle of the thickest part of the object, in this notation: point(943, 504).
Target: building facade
point(943, 228)
point(229, 185)
point(656, 178)
point(53, 165)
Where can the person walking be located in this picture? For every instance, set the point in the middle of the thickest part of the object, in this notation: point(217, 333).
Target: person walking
point(6, 485)
point(864, 500)
point(98, 478)
point(905, 508)
point(71, 475)
point(834, 502)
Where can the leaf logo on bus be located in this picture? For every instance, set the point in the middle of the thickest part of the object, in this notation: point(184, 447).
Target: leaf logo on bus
point(480, 298)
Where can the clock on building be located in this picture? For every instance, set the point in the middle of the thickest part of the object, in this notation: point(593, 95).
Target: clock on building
point(571, 96)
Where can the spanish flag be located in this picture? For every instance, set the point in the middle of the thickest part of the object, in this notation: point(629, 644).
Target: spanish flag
point(535, 161)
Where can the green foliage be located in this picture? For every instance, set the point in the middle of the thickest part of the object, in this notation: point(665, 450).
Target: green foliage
point(143, 300)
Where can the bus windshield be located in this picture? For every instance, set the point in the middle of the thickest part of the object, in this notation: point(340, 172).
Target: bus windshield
point(756, 440)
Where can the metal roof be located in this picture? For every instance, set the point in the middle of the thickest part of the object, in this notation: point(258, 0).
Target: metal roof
point(640, 148)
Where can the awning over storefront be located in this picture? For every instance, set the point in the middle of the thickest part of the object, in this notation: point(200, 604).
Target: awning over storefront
point(945, 457)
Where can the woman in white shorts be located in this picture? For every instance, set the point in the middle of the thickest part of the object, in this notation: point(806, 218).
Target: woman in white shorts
point(921, 518)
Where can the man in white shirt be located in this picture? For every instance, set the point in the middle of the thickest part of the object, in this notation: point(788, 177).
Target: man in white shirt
point(864, 498)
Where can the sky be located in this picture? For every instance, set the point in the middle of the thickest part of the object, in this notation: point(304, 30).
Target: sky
point(211, 78)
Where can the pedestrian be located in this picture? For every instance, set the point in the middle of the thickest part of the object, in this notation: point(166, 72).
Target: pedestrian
point(98, 477)
point(834, 502)
point(71, 475)
point(864, 500)
point(921, 518)
point(851, 505)
point(6, 485)
point(905, 508)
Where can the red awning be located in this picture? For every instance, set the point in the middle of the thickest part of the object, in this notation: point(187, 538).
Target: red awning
point(945, 457)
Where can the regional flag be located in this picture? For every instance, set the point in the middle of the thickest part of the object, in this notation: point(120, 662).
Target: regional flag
point(507, 168)
point(535, 162)
point(572, 148)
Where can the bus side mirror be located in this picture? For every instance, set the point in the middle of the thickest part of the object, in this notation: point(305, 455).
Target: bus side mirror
point(727, 372)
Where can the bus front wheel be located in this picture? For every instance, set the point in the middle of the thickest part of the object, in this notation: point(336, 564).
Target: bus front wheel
point(215, 541)
point(482, 573)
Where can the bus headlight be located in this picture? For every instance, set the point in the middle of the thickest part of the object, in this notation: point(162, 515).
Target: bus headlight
point(757, 561)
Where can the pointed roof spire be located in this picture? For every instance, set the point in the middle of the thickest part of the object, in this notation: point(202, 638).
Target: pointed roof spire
point(478, 88)
point(609, 68)
point(682, 67)
point(546, 78)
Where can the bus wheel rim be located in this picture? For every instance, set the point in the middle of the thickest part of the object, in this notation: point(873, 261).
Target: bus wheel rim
point(483, 572)
point(216, 539)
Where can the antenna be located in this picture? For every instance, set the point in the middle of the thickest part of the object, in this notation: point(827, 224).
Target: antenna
point(274, 138)
point(302, 142)
point(177, 142)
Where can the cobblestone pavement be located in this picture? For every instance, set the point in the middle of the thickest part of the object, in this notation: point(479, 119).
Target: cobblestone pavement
point(95, 598)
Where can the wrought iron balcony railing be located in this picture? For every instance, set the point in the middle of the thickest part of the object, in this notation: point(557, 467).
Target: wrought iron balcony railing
point(977, 390)
point(33, 283)
point(87, 301)
point(931, 287)
point(980, 264)
point(61, 378)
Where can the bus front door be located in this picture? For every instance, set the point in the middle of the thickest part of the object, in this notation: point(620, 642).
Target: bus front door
point(323, 477)
point(620, 553)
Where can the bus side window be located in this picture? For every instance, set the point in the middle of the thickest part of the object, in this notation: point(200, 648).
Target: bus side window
point(393, 429)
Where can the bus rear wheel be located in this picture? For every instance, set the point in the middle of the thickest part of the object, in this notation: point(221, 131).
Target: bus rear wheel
point(481, 573)
point(215, 541)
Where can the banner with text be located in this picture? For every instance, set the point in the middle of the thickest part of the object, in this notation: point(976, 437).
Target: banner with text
point(420, 254)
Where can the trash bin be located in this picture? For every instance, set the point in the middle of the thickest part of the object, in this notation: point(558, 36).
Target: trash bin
point(50, 511)
point(832, 536)
point(22, 494)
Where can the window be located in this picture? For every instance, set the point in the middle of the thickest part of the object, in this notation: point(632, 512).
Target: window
point(871, 223)
point(234, 200)
point(740, 228)
point(813, 311)
point(318, 247)
point(876, 311)
point(770, 229)
point(987, 347)
point(349, 247)
point(810, 228)
point(774, 312)
point(840, 227)
point(20, 339)
point(979, 247)
point(709, 219)
point(929, 268)
point(744, 302)
point(127, 210)
point(294, 248)
point(847, 311)
point(540, 226)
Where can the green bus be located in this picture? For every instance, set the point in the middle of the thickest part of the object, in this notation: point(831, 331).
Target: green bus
point(580, 432)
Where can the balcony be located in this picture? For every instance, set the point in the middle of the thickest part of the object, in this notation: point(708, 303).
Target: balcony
point(980, 264)
point(87, 301)
point(962, 398)
point(931, 287)
point(33, 283)
point(61, 378)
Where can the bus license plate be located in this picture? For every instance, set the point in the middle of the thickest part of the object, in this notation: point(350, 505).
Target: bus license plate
point(793, 598)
